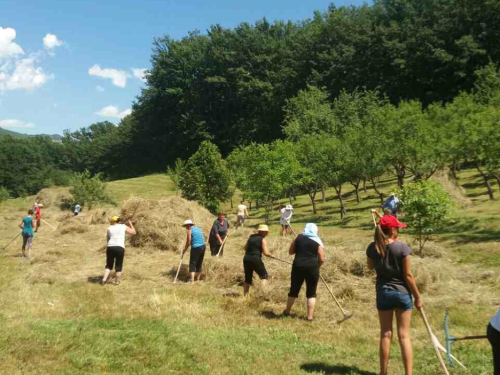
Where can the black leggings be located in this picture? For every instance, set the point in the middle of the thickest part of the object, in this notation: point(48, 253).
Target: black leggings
point(311, 276)
point(253, 263)
point(494, 339)
point(115, 255)
point(196, 258)
point(215, 246)
point(27, 240)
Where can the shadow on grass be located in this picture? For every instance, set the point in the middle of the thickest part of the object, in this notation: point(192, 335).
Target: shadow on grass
point(271, 315)
point(94, 279)
point(323, 368)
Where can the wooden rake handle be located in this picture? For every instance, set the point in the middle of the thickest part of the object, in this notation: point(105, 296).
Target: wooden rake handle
point(436, 350)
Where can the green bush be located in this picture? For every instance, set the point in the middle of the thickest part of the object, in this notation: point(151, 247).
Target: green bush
point(4, 194)
point(206, 177)
point(426, 207)
point(87, 190)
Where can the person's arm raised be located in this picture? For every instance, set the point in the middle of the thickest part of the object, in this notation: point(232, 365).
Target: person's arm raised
point(130, 228)
point(410, 281)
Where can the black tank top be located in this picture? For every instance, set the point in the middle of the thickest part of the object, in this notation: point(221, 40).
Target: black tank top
point(254, 245)
point(306, 251)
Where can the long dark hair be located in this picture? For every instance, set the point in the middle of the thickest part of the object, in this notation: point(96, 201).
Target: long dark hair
point(381, 237)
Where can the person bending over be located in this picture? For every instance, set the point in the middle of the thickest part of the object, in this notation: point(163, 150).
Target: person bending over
point(115, 252)
point(252, 261)
point(394, 287)
point(309, 256)
point(197, 241)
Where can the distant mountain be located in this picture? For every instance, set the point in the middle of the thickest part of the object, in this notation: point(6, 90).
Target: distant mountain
point(54, 137)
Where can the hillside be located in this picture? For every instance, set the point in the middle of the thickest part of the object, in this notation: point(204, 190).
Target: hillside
point(56, 319)
point(54, 137)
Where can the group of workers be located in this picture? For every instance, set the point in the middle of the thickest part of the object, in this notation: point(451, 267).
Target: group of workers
point(389, 257)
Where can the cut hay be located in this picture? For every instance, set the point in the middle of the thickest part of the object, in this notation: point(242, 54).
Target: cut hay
point(99, 217)
point(72, 225)
point(52, 197)
point(159, 222)
point(452, 187)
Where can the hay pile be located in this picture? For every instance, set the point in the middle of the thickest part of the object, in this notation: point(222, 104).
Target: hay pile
point(452, 187)
point(52, 197)
point(159, 222)
point(99, 217)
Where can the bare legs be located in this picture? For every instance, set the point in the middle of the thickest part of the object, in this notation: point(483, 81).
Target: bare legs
point(106, 275)
point(311, 303)
point(403, 319)
point(246, 287)
point(195, 276)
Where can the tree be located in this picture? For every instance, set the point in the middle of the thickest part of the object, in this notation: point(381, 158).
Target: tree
point(265, 172)
point(175, 173)
point(310, 112)
point(206, 177)
point(88, 191)
point(426, 207)
point(4, 194)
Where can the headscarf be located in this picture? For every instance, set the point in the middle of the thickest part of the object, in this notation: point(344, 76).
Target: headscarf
point(311, 231)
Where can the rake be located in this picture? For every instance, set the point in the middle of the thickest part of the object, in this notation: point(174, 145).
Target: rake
point(450, 339)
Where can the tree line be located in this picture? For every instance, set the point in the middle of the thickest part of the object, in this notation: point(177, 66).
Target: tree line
point(414, 69)
point(355, 140)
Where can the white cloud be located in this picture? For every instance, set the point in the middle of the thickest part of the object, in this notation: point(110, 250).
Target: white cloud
point(118, 77)
point(113, 111)
point(139, 74)
point(25, 76)
point(7, 46)
point(15, 124)
point(50, 41)
point(99, 88)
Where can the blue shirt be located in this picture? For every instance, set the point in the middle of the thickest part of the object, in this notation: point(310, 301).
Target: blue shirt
point(392, 204)
point(197, 239)
point(28, 225)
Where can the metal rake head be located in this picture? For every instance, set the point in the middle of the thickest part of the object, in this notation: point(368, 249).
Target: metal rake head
point(345, 318)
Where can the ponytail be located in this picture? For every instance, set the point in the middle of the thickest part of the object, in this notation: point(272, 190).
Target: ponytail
point(380, 239)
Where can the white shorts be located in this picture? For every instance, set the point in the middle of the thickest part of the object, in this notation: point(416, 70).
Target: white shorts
point(241, 219)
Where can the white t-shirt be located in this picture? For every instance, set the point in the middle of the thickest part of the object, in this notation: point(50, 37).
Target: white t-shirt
point(116, 235)
point(495, 321)
point(241, 209)
point(286, 216)
point(77, 208)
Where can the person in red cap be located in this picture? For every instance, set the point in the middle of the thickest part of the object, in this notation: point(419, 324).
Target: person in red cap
point(395, 285)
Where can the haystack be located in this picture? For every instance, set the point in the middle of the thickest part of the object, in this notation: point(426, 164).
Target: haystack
point(53, 197)
point(159, 222)
point(452, 187)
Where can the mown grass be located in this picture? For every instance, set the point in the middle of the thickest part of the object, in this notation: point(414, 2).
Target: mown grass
point(56, 319)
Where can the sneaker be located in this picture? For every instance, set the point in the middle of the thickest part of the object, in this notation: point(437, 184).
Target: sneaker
point(286, 313)
point(103, 282)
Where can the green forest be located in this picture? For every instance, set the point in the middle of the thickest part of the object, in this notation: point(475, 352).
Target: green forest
point(400, 86)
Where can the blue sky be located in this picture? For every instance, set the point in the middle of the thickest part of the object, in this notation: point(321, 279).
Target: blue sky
point(46, 84)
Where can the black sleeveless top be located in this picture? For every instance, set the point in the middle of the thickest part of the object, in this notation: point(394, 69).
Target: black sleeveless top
point(254, 245)
point(306, 252)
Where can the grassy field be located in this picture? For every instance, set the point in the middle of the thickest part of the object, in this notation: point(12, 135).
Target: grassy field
point(56, 319)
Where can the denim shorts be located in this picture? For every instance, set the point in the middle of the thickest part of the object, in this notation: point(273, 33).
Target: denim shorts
point(389, 299)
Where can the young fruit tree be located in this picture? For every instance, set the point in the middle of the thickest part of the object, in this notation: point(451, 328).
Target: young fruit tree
point(87, 190)
point(426, 207)
point(206, 177)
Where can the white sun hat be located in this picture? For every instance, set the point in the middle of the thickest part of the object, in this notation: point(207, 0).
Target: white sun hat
point(289, 207)
point(188, 222)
